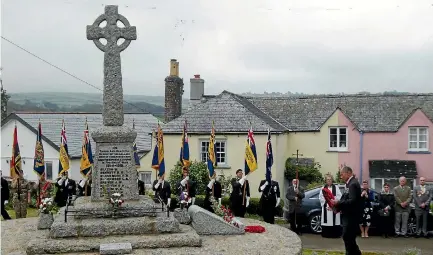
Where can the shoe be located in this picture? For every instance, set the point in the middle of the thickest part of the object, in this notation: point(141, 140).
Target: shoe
point(406, 236)
point(426, 237)
point(417, 236)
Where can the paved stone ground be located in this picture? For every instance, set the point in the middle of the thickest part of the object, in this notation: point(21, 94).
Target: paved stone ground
point(275, 241)
point(374, 243)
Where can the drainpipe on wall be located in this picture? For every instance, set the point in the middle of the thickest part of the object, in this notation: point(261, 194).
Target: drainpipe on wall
point(361, 137)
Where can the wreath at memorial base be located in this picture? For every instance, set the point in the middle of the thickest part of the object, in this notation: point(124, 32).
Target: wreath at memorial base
point(224, 213)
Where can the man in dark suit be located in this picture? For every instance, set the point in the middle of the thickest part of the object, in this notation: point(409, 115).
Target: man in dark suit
point(269, 200)
point(240, 196)
point(4, 198)
point(66, 188)
point(350, 206)
point(214, 189)
point(162, 191)
point(186, 190)
point(85, 187)
point(295, 194)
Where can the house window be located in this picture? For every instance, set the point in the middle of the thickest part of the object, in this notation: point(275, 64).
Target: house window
point(146, 177)
point(220, 151)
point(418, 139)
point(49, 170)
point(377, 183)
point(338, 139)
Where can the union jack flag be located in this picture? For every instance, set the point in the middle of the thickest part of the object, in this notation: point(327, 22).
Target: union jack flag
point(269, 158)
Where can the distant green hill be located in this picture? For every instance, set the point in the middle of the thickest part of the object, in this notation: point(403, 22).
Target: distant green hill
point(82, 102)
point(74, 99)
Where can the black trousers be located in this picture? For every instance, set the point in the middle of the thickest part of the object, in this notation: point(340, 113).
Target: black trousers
point(350, 230)
point(293, 223)
point(386, 225)
point(5, 214)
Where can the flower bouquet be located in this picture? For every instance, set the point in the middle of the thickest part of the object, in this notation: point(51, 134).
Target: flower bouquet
point(225, 213)
point(46, 206)
point(116, 201)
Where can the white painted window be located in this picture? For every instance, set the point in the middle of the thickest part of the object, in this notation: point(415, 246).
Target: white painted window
point(146, 177)
point(49, 170)
point(220, 151)
point(418, 139)
point(338, 139)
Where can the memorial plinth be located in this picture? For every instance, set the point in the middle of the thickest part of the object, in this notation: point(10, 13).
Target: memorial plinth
point(114, 168)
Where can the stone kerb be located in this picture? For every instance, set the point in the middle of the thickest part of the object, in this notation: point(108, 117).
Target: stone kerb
point(207, 223)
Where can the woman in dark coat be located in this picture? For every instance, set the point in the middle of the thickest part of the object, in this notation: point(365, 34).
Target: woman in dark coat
point(386, 203)
point(367, 198)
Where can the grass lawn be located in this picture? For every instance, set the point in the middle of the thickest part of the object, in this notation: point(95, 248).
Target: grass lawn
point(31, 212)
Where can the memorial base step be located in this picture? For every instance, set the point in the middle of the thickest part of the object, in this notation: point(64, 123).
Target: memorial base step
point(99, 227)
point(187, 237)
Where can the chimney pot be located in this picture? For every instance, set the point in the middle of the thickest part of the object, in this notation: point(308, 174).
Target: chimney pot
point(197, 76)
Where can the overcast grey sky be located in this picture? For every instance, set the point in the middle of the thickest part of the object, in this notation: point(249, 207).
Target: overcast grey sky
point(312, 46)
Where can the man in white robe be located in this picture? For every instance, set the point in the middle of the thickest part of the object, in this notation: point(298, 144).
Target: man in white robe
point(330, 221)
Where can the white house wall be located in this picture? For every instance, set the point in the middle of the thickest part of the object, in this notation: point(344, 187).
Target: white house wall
point(27, 141)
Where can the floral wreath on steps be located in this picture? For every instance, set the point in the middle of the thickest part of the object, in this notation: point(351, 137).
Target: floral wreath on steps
point(227, 215)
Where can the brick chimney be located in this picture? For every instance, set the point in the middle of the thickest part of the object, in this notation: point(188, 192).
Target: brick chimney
point(196, 90)
point(173, 92)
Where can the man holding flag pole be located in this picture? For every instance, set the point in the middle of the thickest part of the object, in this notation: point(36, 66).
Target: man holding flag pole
point(186, 187)
point(160, 186)
point(43, 186)
point(66, 187)
point(214, 188)
point(20, 186)
point(240, 196)
point(86, 164)
point(270, 189)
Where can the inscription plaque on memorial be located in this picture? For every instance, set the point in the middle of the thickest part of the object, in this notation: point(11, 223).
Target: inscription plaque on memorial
point(113, 169)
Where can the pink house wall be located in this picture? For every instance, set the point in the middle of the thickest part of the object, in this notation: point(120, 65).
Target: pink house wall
point(383, 146)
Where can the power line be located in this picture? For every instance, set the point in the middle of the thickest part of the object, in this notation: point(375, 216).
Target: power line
point(68, 73)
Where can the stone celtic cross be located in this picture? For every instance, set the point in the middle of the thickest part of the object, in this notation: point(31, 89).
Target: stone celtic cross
point(113, 91)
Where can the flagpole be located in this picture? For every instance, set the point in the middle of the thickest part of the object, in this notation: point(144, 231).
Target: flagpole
point(245, 184)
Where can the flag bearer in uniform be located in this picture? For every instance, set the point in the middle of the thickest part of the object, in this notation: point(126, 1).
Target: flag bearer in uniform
point(213, 189)
point(240, 196)
point(270, 189)
point(162, 191)
point(21, 190)
point(269, 200)
point(186, 190)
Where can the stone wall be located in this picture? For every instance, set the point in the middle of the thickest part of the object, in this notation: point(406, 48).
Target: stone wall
point(173, 97)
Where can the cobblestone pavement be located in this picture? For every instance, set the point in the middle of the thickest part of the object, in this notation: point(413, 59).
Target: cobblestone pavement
point(374, 243)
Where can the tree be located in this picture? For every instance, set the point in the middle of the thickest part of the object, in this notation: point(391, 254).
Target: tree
point(310, 172)
point(4, 103)
point(198, 172)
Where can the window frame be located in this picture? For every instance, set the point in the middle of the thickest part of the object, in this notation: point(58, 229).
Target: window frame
point(142, 178)
point(417, 149)
point(49, 162)
point(201, 141)
point(338, 148)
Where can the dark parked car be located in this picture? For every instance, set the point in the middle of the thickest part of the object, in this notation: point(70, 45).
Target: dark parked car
point(310, 214)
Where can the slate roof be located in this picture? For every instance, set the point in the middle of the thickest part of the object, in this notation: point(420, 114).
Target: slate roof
point(230, 112)
point(74, 122)
point(369, 113)
point(233, 113)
